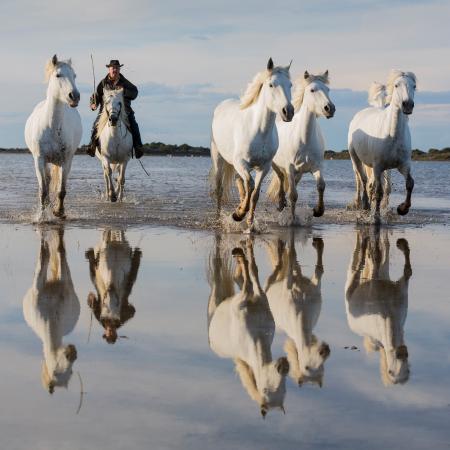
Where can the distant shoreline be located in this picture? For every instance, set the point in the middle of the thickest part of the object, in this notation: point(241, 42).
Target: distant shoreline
point(160, 149)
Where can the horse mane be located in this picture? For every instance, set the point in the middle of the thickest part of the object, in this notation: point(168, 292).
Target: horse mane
point(247, 377)
point(251, 94)
point(393, 75)
point(300, 85)
point(377, 95)
point(103, 120)
point(50, 67)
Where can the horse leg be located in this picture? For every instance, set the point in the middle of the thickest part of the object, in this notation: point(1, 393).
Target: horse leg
point(260, 174)
point(292, 188)
point(378, 189)
point(403, 208)
point(121, 180)
point(320, 183)
point(402, 245)
point(39, 165)
point(249, 184)
point(241, 188)
point(361, 200)
point(318, 272)
point(281, 194)
point(387, 189)
point(218, 167)
point(107, 172)
point(62, 182)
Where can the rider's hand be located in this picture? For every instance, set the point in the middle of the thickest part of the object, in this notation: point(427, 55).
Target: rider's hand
point(93, 106)
point(93, 102)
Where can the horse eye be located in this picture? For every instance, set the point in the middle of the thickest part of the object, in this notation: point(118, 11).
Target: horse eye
point(396, 85)
point(271, 85)
point(58, 75)
point(312, 90)
point(414, 86)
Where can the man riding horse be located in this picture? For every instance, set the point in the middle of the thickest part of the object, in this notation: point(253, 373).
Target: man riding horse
point(115, 80)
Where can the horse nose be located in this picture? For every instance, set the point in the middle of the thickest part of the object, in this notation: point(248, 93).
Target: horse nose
point(74, 96)
point(324, 350)
point(330, 109)
point(408, 106)
point(288, 112)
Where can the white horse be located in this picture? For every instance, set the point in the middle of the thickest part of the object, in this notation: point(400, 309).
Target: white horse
point(377, 306)
point(241, 327)
point(302, 145)
point(53, 132)
point(379, 139)
point(244, 137)
point(51, 309)
point(116, 142)
point(295, 301)
point(113, 267)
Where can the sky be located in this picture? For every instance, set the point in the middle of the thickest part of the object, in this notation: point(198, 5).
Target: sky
point(185, 57)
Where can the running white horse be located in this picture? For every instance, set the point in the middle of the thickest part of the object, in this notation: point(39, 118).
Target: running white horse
point(53, 132)
point(377, 306)
point(241, 327)
point(116, 142)
point(295, 301)
point(302, 145)
point(244, 138)
point(379, 139)
point(113, 267)
point(51, 309)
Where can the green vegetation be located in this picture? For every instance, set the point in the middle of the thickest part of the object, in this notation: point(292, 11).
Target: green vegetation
point(161, 149)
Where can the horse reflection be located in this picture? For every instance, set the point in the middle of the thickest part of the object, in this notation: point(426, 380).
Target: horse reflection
point(376, 305)
point(241, 326)
point(51, 308)
point(295, 301)
point(113, 267)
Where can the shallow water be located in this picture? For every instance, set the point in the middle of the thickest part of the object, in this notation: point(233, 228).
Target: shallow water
point(177, 193)
point(168, 383)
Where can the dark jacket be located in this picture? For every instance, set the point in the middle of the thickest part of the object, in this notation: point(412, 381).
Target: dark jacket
point(130, 91)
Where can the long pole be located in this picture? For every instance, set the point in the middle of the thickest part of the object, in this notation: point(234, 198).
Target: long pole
point(93, 74)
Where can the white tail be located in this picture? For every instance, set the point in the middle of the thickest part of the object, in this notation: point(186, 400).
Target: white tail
point(275, 185)
point(221, 176)
point(377, 95)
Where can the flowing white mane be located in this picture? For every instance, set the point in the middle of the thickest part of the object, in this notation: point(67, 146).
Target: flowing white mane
point(300, 85)
point(50, 67)
point(377, 95)
point(103, 120)
point(393, 75)
point(251, 94)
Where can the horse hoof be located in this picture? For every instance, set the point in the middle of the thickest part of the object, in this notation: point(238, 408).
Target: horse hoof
point(237, 251)
point(402, 244)
point(236, 217)
point(59, 214)
point(113, 199)
point(402, 209)
point(318, 211)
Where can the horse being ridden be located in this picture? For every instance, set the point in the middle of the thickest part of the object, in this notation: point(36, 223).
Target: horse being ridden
point(53, 132)
point(244, 137)
point(379, 139)
point(302, 145)
point(116, 142)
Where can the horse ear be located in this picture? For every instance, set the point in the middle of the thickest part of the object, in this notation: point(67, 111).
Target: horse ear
point(54, 60)
point(289, 66)
point(306, 75)
point(69, 61)
point(270, 64)
point(325, 74)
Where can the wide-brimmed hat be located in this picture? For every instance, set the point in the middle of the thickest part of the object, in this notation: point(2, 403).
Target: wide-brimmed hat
point(114, 62)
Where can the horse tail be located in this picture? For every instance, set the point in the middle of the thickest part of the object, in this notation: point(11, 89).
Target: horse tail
point(273, 190)
point(377, 95)
point(221, 176)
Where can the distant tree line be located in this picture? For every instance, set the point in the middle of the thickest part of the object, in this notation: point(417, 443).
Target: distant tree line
point(161, 149)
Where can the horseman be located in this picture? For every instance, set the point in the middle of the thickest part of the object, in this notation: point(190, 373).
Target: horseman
point(115, 80)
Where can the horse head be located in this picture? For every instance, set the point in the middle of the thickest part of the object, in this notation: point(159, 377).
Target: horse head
point(61, 81)
point(309, 366)
point(113, 104)
point(313, 90)
point(401, 87)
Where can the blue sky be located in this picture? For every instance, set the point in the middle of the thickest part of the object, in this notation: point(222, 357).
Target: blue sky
point(187, 56)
